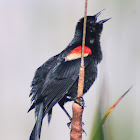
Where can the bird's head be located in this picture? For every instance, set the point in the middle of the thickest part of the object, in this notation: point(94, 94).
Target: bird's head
point(93, 28)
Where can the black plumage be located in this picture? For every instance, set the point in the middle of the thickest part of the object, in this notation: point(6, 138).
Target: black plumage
point(56, 80)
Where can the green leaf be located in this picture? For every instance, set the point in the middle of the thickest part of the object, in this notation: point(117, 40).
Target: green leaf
point(98, 129)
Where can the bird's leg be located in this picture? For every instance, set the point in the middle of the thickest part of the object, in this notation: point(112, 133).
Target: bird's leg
point(81, 103)
point(70, 118)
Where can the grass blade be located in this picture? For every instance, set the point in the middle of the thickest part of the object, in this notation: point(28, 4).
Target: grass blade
point(107, 115)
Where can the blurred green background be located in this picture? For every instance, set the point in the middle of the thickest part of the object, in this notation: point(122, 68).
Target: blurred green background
point(31, 31)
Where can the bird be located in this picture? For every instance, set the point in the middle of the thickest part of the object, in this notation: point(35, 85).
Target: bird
point(56, 81)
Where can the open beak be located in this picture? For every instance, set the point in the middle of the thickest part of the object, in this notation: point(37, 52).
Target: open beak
point(101, 21)
point(99, 13)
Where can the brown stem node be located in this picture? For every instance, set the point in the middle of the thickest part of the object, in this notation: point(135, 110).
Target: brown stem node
point(76, 124)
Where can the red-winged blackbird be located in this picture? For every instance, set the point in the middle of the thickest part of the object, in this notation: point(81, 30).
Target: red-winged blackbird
point(56, 80)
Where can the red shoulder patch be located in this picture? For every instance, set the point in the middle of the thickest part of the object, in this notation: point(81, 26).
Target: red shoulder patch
point(79, 50)
point(76, 53)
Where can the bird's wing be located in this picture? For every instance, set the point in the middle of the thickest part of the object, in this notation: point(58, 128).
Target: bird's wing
point(58, 82)
point(40, 76)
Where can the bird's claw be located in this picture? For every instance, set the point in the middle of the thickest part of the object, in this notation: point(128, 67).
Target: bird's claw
point(76, 100)
point(83, 131)
point(81, 102)
point(69, 124)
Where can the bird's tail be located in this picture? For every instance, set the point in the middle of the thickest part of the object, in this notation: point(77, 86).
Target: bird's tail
point(35, 135)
